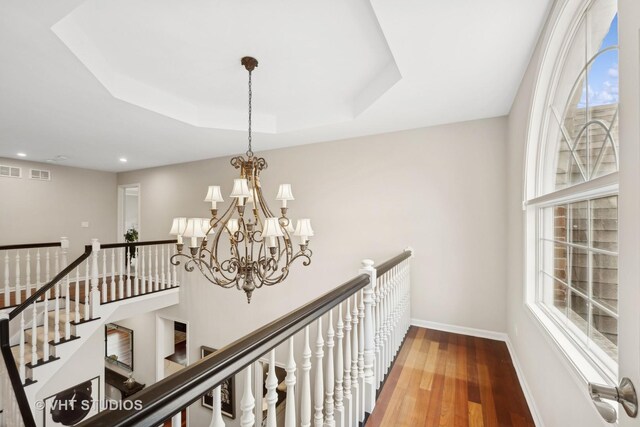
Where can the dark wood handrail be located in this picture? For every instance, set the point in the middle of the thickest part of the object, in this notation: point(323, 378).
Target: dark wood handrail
point(135, 244)
point(14, 375)
point(5, 347)
point(30, 246)
point(388, 265)
point(169, 396)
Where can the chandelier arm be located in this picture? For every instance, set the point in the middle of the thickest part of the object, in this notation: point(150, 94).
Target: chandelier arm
point(210, 275)
point(278, 279)
point(265, 279)
point(192, 262)
point(263, 204)
point(262, 265)
point(216, 268)
point(225, 219)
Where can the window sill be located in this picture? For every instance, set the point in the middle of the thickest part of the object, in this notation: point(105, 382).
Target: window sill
point(583, 368)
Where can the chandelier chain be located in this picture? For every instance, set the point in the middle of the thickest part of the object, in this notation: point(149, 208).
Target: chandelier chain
point(250, 151)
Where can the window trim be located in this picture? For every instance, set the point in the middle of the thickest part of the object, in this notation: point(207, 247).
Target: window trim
point(599, 361)
point(563, 23)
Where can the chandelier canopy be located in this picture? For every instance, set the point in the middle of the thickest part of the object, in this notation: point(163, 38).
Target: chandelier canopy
point(258, 245)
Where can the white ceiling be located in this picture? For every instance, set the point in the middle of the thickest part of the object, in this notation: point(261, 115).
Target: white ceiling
point(161, 82)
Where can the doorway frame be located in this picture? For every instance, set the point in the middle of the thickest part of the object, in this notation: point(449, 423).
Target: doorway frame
point(160, 318)
point(121, 195)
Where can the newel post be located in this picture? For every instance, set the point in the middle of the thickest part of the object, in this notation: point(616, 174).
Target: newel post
point(369, 342)
point(95, 293)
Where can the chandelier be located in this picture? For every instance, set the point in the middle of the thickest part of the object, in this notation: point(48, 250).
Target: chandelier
point(246, 247)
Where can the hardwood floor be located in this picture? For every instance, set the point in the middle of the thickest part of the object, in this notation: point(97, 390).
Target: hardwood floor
point(444, 379)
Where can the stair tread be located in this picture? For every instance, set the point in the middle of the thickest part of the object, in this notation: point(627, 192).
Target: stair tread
point(27, 353)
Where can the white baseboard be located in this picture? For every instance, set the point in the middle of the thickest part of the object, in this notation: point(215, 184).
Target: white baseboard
point(462, 330)
point(493, 335)
point(537, 419)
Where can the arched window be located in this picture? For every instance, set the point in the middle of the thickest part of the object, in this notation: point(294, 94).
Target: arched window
point(572, 208)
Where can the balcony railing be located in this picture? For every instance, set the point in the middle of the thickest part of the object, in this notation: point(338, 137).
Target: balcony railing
point(49, 314)
point(358, 329)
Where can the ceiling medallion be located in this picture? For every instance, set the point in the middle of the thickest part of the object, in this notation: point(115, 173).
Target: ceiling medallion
point(258, 245)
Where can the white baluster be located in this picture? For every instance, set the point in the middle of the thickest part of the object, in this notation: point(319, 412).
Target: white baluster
point(56, 266)
point(38, 270)
point(150, 270)
point(56, 316)
point(121, 273)
point(47, 268)
point(112, 285)
point(162, 277)
point(176, 420)
point(348, 405)
point(34, 335)
point(290, 381)
point(103, 287)
point(95, 279)
point(128, 259)
point(318, 419)
point(248, 403)
point(392, 297)
point(361, 356)
point(67, 304)
point(216, 417)
point(76, 296)
point(385, 324)
point(305, 382)
point(329, 375)
point(157, 281)
point(394, 330)
point(368, 338)
point(28, 275)
point(18, 290)
point(21, 366)
point(45, 331)
point(136, 278)
point(47, 273)
point(87, 313)
point(355, 388)
point(339, 406)
point(141, 271)
point(7, 290)
point(271, 384)
point(168, 285)
point(378, 306)
point(64, 247)
point(174, 269)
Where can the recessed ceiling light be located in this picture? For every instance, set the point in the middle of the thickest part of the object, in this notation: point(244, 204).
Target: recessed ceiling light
point(123, 160)
point(21, 154)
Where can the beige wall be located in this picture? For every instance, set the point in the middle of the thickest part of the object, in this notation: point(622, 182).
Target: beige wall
point(440, 190)
point(38, 211)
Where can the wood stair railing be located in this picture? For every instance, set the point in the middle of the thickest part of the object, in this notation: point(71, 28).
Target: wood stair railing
point(50, 315)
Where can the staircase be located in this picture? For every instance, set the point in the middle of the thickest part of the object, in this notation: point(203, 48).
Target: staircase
point(57, 320)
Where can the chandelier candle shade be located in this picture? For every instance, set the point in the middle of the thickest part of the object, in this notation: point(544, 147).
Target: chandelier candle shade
point(247, 247)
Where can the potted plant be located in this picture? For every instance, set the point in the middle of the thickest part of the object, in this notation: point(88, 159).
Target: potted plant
point(131, 236)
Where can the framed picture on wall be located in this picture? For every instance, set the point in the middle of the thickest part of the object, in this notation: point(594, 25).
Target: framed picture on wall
point(72, 405)
point(227, 391)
